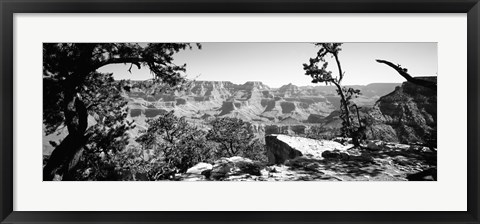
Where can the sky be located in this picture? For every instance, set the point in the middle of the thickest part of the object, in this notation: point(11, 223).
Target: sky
point(277, 64)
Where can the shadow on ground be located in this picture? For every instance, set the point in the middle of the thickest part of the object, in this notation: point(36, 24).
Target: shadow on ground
point(387, 164)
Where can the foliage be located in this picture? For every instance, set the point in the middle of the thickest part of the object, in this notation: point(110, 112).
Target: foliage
point(170, 145)
point(139, 164)
point(255, 151)
point(73, 88)
point(179, 144)
point(108, 135)
point(321, 74)
point(96, 166)
point(73, 66)
point(108, 107)
point(232, 134)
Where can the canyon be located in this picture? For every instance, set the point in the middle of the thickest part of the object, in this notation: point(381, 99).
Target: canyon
point(287, 109)
point(398, 112)
point(401, 131)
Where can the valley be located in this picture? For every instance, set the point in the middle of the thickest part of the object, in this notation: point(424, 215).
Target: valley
point(288, 109)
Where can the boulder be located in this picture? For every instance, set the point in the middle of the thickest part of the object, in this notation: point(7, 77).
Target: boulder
point(193, 177)
point(375, 145)
point(199, 168)
point(234, 166)
point(283, 147)
point(199, 172)
point(420, 148)
point(221, 169)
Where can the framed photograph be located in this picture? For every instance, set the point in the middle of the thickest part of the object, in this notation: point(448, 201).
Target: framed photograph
point(239, 111)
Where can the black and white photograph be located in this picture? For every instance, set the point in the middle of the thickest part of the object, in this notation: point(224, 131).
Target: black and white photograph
point(240, 111)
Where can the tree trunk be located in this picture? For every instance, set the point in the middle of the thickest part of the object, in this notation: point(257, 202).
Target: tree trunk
point(232, 152)
point(358, 115)
point(344, 103)
point(65, 156)
point(356, 138)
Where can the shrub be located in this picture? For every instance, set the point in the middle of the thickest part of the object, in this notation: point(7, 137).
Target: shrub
point(234, 137)
point(179, 144)
point(232, 134)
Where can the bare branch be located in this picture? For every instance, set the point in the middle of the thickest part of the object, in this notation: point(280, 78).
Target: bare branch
point(408, 77)
point(136, 61)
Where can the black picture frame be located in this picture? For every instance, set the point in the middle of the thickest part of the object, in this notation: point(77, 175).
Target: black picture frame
point(10, 7)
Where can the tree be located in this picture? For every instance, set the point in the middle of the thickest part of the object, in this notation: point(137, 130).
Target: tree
point(232, 134)
point(180, 145)
point(321, 74)
point(107, 135)
point(404, 73)
point(69, 74)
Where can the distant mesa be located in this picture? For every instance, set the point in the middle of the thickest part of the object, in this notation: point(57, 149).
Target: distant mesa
point(289, 90)
point(252, 100)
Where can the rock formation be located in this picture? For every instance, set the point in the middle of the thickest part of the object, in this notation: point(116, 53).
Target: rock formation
point(251, 101)
point(407, 115)
point(233, 168)
point(281, 148)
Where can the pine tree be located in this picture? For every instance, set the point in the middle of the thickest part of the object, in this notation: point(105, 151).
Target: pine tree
point(73, 89)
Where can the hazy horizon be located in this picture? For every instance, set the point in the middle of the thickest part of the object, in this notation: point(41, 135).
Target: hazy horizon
point(311, 85)
point(277, 64)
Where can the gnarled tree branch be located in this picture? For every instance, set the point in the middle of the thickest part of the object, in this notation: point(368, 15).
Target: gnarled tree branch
point(134, 60)
point(408, 77)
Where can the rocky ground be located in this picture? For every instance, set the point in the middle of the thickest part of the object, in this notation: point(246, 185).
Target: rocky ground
point(302, 159)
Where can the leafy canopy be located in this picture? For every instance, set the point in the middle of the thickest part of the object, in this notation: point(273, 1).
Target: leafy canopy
point(321, 73)
point(70, 68)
